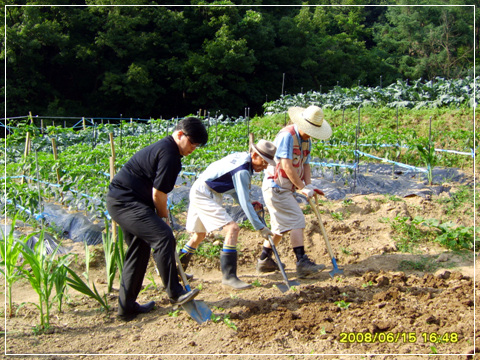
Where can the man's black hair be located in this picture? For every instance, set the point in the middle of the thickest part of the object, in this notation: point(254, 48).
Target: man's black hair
point(194, 129)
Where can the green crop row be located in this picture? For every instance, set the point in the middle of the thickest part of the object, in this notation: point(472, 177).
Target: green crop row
point(417, 94)
point(84, 160)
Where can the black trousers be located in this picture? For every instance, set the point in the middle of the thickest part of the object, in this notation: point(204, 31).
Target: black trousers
point(143, 230)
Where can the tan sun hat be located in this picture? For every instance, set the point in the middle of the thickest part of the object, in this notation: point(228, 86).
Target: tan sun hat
point(266, 150)
point(310, 120)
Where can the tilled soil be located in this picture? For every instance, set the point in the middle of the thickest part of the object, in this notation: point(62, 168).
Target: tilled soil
point(379, 306)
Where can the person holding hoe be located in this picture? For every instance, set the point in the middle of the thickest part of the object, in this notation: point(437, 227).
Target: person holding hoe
point(230, 175)
point(137, 201)
point(291, 173)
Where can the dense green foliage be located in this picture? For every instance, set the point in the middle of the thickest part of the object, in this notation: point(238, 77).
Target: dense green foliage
point(83, 164)
point(155, 61)
point(434, 94)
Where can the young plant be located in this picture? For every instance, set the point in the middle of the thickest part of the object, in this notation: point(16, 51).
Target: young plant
point(112, 258)
point(78, 284)
point(427, 154)
point(60, 283)
point(451, 236)
point(10, 252)
point(42, 274)
point(229, 322)
point(256, 283)
point(342, 304)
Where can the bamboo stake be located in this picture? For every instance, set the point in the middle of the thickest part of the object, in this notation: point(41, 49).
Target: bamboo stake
point(26, 152)
point(112, 174)
point(55, 157)
point(112, 145)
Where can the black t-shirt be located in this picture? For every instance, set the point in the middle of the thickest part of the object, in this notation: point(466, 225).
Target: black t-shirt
point(155, 166)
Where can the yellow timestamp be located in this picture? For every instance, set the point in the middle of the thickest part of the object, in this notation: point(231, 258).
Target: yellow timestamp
point(394, 337)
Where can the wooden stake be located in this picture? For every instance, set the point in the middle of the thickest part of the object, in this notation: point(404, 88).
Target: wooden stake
point(112, 146)
point(112, 174)
point(25, 153)
point(55, 157)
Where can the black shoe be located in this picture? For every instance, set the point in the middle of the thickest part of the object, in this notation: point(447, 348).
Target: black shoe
point(138, 309)
point(184, 297)
point(184, 260)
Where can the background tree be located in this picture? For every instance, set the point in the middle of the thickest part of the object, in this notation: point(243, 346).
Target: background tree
point(152, 61)
point(425, 42)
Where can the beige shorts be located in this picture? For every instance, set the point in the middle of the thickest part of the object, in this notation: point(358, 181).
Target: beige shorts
point(285, 213)
point(205, 211)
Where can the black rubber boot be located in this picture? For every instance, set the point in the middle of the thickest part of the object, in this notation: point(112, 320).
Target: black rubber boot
point(228, 264)
point(184, 260)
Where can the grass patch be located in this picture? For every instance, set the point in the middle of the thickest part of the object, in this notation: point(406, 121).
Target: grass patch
point(424, 264)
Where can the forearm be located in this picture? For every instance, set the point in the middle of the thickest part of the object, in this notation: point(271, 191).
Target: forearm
point(307, 177)
point(287, 166)
point(160, 202)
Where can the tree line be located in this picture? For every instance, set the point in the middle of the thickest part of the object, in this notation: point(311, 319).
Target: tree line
point(91, 59)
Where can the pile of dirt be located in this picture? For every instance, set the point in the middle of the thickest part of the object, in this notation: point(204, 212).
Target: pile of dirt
point(385, 303)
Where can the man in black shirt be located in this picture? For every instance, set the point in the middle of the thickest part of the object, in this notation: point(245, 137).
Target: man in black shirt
point(137, 201)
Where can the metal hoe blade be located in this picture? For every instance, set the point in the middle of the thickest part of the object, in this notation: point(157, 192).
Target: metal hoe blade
point(289, 283)
point(197, 309)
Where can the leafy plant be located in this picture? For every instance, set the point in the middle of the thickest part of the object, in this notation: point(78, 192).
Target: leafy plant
point(409, 236)
point(10, 250)
point(60, 283)
point(174, 313)
point(342, 304)
point(75, 282)
point(256, 283)
point(346, 251)
point(367, 284)
point(427, 154)
point(451, 236)
point(42, 273)
point(229, 322)
point(337, 215)
point(114, 256)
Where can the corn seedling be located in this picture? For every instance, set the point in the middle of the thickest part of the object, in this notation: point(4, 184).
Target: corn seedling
point(114, 257)
point(42, 274)
point(10, 251)
point(78, 284)
point(427, 154)
point(60, 283)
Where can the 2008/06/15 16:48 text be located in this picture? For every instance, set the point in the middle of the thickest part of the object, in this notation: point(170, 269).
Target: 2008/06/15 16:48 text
point(391, 337)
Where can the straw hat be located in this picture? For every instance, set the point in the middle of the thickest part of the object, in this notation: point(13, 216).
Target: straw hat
point(266, 150)
point(310, 121)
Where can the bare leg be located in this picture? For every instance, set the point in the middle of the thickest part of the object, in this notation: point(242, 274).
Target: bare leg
point(232, 230)
point(196, 240)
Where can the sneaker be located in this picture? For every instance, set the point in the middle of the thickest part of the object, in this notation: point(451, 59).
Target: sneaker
point(307, 267)
point(267, 265)
point(184, 297)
